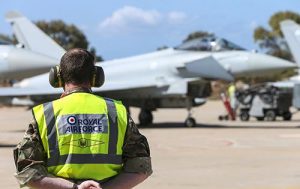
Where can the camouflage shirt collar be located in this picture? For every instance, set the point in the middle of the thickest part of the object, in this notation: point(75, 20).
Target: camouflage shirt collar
point(76, 90)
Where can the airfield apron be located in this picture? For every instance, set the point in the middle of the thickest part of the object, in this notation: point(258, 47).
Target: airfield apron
point(83, 136)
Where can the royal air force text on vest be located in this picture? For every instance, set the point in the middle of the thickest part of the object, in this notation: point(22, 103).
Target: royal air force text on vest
point(83, 123)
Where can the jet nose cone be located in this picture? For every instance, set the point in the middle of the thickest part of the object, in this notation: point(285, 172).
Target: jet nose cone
point(265, 64)
point(243, 63)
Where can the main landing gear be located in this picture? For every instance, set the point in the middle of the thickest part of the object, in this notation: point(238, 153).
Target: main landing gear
point(145, 117)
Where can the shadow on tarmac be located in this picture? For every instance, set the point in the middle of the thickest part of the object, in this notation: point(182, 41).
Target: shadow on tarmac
point(17, 131)
point(175, 125)
point(7, 145)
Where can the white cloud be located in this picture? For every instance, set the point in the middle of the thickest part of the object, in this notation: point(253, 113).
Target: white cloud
point(129, 18)
point(176, 17)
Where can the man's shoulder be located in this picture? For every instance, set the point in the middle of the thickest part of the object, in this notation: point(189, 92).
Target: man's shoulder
point(118, 102)
point(42, 104)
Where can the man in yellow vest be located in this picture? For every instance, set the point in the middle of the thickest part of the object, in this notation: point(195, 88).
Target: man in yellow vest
point(81, 140)
point(231, 94)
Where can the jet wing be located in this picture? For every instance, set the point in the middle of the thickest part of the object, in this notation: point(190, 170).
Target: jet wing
point(207, 68)
point(48, 90)
point(19, 92)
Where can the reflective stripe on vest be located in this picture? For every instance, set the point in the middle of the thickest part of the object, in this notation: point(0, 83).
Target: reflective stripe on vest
point(111, 161)
point(113, 124)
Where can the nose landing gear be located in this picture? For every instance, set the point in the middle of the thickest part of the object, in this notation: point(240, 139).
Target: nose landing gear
point(190, 121)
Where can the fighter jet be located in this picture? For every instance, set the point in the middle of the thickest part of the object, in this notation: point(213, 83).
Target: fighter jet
point(171, 78)
point(25, 60)
point(291, 33)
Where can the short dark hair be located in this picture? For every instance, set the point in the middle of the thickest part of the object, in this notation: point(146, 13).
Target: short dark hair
point(77, 66)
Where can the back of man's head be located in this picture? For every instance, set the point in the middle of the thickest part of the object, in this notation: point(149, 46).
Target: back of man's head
point(77, 66)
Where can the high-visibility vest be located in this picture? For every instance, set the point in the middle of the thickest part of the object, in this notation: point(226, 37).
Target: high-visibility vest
point(231, 91)
point(83, 136)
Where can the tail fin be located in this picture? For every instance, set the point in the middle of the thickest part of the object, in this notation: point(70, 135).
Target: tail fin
point(32, 37)
point(291, 32)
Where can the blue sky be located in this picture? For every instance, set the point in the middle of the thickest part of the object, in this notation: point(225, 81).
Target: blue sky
point(125, 28)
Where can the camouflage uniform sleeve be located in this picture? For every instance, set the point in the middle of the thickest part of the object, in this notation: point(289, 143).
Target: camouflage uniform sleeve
point(29, 157)
point(136, 152)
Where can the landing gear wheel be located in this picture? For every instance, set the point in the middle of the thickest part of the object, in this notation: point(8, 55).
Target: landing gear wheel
point(287, 116)
point(145, 117)
point(270, 115)
point(226, 117)
point(244, 116)
point(223, 117)
point(260, 118)
point(190, 122)
point(220, 117)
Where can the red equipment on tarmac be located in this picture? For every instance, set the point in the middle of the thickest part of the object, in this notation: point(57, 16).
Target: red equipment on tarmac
point(229, 110)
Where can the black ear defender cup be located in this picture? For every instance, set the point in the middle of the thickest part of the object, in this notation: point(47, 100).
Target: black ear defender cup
point(56, 81)
point(98, 77)
point(55, 78)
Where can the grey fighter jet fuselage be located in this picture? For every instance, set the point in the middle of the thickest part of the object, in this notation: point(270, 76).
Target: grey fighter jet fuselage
point(18, 63)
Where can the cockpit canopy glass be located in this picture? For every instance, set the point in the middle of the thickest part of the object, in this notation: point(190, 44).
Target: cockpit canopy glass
point(208, 44)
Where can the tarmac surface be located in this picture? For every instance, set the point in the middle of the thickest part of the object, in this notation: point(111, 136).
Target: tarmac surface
point(213, 155)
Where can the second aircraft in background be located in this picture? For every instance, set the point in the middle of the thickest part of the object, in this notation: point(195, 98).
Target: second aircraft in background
point(25, 60)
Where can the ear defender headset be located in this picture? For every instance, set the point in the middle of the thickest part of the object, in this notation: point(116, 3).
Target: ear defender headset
point(55, 79)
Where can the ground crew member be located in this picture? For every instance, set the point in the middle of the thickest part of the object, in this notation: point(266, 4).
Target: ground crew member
point(81, 140)
point(232, 98)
